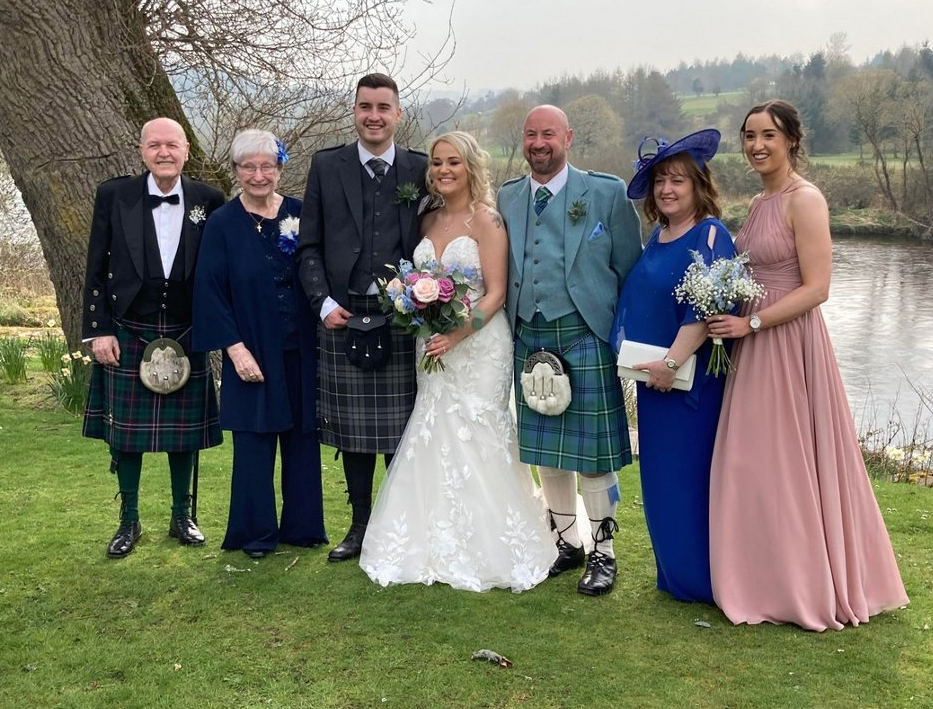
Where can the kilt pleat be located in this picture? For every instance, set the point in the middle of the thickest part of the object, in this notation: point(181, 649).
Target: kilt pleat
point(591, 436)
point(364, 412)
point(131, 418)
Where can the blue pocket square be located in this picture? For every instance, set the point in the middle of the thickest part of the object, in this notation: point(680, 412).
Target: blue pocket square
point(597, 231)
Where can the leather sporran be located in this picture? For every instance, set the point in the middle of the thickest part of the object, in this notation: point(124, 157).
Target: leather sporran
point(165, 368)
point(545, 383)
point(369, 341)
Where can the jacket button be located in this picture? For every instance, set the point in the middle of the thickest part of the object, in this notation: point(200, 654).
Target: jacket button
point(92, 308)
point(163, 306)
point(95, 292)
point(94, 324)
point(114, 296)
point(109, 275)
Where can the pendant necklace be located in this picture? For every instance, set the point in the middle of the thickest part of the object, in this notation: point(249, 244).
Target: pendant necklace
point(259, 223)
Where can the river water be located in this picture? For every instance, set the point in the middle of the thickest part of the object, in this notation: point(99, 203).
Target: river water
point(880, 317)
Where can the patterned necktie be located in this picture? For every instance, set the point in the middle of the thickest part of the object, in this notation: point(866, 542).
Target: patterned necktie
point(542, 195)
point(379, 167)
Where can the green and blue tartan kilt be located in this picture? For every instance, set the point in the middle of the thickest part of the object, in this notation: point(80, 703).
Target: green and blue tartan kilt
point(131, 418)
point(364, 412)
point(591, 436)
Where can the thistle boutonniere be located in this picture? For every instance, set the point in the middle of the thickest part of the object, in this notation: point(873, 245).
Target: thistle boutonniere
point(406, 192)
point(197, 215)
point(288, 235)
point(577, 211)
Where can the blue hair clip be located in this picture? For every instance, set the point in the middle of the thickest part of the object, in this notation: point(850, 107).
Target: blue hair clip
point(645, 157)
point(282, 156)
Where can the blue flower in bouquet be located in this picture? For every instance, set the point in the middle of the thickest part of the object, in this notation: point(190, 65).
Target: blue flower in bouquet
point(715, 289)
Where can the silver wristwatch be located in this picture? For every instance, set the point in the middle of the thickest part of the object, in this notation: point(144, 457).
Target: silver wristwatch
point(754, 322)
point(671, 363)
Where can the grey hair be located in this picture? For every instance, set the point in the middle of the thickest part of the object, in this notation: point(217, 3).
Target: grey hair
point(251, 142)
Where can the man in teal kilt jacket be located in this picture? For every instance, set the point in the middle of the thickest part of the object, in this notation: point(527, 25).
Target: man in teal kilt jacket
point(573, 238)
point(142, 253)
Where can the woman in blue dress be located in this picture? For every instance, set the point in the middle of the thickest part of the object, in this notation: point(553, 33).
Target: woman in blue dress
point(248, 302)
point(676, 429)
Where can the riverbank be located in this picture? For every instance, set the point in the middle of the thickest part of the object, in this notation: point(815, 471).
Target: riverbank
point(842, 222)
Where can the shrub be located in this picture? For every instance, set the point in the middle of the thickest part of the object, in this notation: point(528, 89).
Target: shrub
point(68, 384)
point(13, 358)
point(51, 349)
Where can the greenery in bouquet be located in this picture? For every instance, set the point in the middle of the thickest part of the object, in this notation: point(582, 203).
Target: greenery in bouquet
point(426, 301)
point(716, 289)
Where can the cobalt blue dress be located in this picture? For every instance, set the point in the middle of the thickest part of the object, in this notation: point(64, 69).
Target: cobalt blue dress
point(676, 430)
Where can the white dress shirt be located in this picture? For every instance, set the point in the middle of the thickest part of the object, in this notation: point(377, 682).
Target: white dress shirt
point(168, 222)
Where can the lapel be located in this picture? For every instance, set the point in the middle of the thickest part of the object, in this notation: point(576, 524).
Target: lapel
point(577, 189)
point(515, 211)
point(191, 232)
point(349, 174)
point(405, 172)
point(133, 215)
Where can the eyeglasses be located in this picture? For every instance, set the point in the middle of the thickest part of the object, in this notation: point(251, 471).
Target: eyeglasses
point(265, 168)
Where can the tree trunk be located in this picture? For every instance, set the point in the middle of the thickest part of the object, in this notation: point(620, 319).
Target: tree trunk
point(78, 79)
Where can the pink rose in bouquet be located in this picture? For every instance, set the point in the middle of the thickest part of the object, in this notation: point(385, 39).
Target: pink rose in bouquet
point(445, 290)
point(425, 291)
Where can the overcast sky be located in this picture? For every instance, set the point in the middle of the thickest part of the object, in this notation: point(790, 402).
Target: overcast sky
point(520, 43)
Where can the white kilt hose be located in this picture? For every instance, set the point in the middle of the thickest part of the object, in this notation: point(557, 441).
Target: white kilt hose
point(359, 411)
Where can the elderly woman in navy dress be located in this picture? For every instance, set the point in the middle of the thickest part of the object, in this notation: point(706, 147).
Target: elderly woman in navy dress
point(676, 429)
point(249, 303)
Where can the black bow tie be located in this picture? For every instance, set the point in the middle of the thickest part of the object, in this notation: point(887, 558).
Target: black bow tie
point(155, 200)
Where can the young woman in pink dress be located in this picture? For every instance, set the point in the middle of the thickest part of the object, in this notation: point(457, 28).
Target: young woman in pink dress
point(796, 535)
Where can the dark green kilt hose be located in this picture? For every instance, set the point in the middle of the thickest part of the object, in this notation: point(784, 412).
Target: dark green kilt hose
point(591, 436)
point(364, 412)
point(129, 417)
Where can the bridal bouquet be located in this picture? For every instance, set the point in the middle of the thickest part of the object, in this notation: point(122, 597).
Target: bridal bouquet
point(427, 301)
point(716, 289)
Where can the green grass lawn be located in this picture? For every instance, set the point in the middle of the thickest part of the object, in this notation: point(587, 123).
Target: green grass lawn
point(198, 627)
point(693, 105)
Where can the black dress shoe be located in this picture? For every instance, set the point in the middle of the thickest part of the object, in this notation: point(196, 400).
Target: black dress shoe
point(255, 553)
point(185, 531)
point(124, 541)
point(351, 546)
point(600, 575)
point(568, 557)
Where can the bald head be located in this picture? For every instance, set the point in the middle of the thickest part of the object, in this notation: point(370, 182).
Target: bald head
point(164, 150)
point(546, 138)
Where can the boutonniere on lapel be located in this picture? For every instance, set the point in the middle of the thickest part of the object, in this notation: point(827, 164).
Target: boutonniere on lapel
point(288, 235)
point(197, 215)
point(577, 211)
point(406, 192)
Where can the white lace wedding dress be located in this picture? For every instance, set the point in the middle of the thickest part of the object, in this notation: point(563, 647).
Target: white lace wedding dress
point(457, 506)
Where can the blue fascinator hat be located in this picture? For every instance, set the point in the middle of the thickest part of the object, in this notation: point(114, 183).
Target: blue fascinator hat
point(702, 145)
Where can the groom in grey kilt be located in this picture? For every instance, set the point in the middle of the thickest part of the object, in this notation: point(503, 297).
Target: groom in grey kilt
point(573, 238)
point(360, 213)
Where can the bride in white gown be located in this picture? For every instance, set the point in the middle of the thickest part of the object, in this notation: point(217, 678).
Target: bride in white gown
point(457, 506)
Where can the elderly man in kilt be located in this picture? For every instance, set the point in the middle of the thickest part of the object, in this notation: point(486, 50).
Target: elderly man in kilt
point(360, 214)
point(144, 242)
point(574, 236)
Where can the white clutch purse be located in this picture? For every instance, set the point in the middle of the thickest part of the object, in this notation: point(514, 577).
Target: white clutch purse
point(632, 352)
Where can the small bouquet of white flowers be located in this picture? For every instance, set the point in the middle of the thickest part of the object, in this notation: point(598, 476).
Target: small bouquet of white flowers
point(716, 289)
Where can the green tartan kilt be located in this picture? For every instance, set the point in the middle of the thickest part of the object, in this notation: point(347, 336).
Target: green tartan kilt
point(591, 436)
point(131, 418)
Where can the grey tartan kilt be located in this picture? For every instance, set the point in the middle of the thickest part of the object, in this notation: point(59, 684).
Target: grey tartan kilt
point(364, 412)
point(591, 436)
